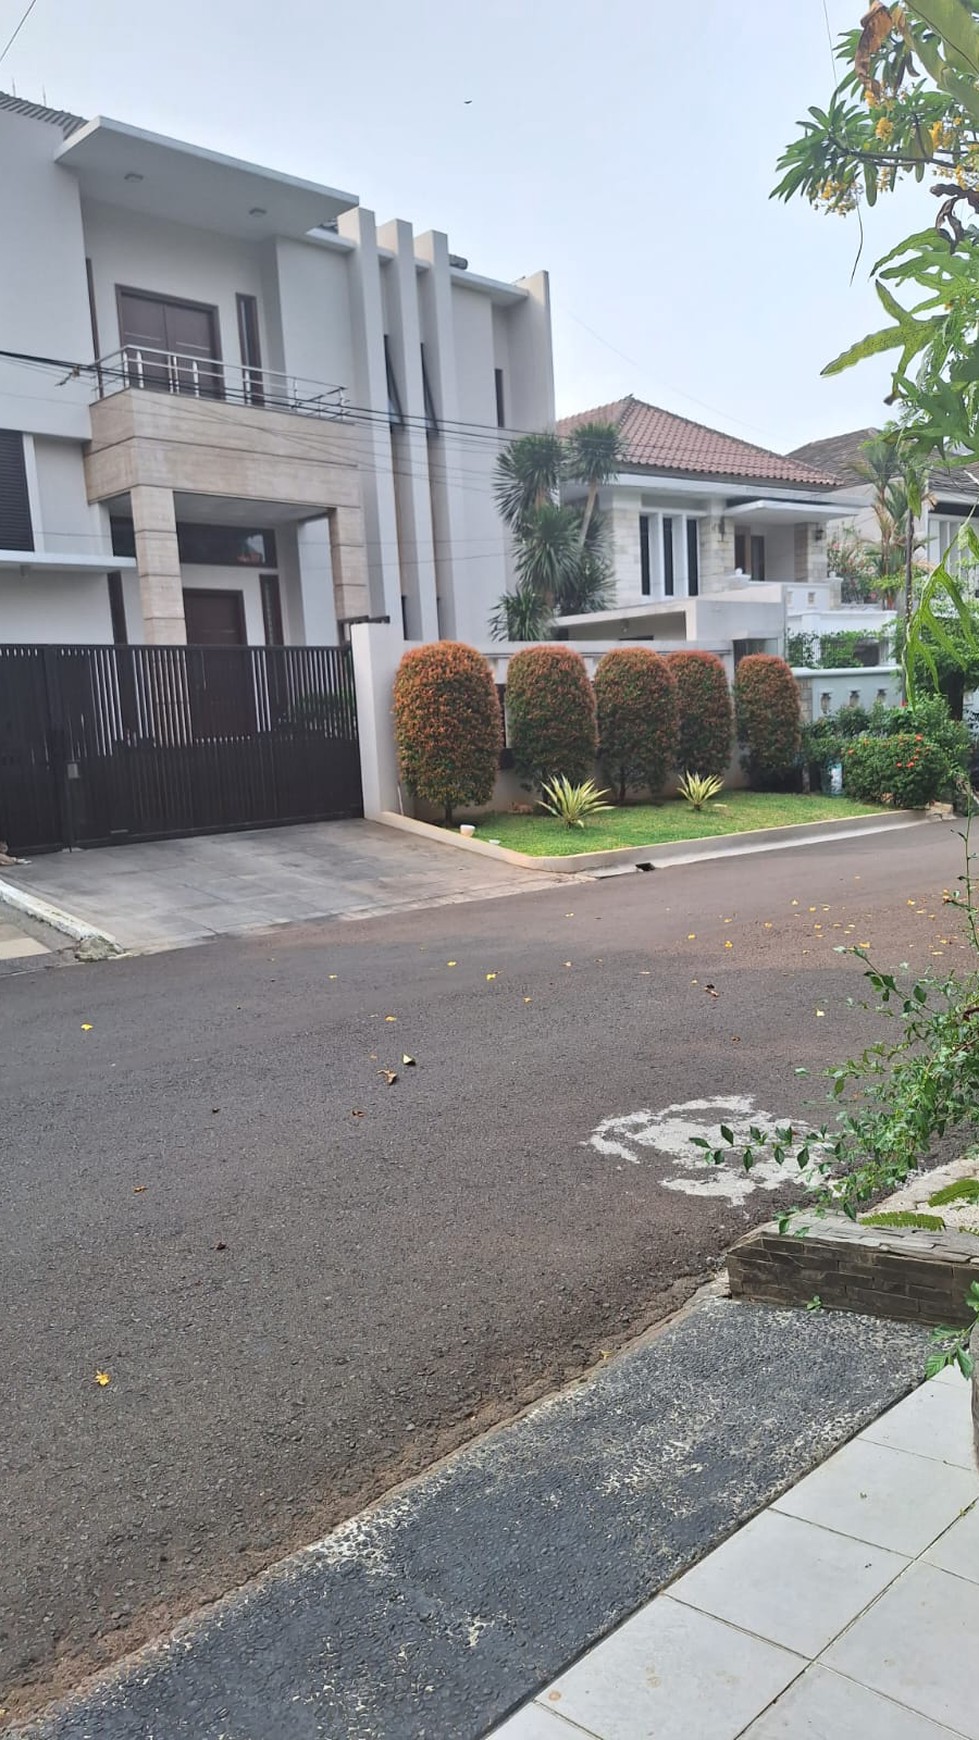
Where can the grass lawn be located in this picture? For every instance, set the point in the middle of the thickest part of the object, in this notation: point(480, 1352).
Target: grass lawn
point(652, 824)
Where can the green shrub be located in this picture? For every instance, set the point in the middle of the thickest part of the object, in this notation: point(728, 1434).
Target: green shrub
point(706, 713)
point(838, 652)
point(800, 651)
point(551, 715)
point(766, 698)
point(636, 696)
point(447, 724)
point(906, 771)
point(932, 718)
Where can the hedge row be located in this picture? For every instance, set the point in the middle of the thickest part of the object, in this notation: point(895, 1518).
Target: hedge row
point(644, 716)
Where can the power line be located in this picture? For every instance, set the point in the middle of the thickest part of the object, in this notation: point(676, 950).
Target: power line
point(12, 38)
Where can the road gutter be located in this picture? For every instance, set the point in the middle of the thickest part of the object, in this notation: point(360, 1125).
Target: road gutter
point(98, 944)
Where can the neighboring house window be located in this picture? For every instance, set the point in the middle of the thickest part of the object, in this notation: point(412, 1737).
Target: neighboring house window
point(170, 345)
point(693, 558)
point(395, 412)
point(252, 385)
point(500, 400)
point(741, 552)
point(16, 530)
point(225, 546)
point(757, 558)
point(645, 570)
point(117, 610)
point(272, 610)
point(942, 546)
point(123, 536)
point(669, 577)
point(431, 421)
point(749, 554)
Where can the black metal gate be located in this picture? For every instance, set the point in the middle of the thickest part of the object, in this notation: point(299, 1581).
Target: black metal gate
point(103, 744)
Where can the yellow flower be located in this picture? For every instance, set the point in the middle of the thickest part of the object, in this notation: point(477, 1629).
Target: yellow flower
point(936, 134)
point(884, 130)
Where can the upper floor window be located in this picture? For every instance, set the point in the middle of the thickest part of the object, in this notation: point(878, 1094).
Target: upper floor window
point(249, 344)
point(206, 545)
point(500, 399)
point(395, 412)
point(431, 420)
point(170, 345)
point(749, 554)
point(16, 529)
point(944, 546)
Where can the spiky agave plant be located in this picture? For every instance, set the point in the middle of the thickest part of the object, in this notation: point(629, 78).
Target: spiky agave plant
point(573, 804)
point(699, 788)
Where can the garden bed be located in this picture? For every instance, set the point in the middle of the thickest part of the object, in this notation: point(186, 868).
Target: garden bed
point(658, 824)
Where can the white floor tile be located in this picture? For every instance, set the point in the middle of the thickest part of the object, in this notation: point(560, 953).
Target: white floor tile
point(917, 1645)
point(823, 1706)
point(958, 1549)
point(535, 1723)
point(887, 1497)
point(789, 1581)
point(935, 1421)
point(671, 1673)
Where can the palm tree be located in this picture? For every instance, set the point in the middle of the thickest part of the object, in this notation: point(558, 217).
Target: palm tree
point(521, 615)
point(899, 482)
point(594, 454)
point(528, 474)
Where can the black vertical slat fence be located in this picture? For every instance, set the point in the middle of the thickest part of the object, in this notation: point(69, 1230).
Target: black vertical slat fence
point(100, 744)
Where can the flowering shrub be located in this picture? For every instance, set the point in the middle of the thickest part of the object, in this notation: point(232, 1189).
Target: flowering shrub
point(905, 770)
point(706, 714)
point(551, 715)
point(447, 724)
point(636, 694)
point(766, 697)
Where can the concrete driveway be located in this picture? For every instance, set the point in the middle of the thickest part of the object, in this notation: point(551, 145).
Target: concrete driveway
point(168, 893)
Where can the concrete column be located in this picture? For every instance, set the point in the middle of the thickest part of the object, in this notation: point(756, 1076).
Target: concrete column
point(377, 651)
point(369, 389)
point(810, 553)
point(410, 443)
point(716, 549)
point(448, 497)
point(351, 587)
point(158, 565)
point(316, 590)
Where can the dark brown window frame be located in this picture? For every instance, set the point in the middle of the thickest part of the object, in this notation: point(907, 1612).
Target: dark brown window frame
point(250, 346)
point(164, 296)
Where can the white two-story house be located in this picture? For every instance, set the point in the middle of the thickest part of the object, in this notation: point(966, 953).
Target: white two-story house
point(236, 410)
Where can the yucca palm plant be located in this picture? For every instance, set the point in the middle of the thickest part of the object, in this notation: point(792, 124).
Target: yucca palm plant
point(594, 453)
point(521, 615)
point(572, 804)
point(528, 475)
point(699, 788)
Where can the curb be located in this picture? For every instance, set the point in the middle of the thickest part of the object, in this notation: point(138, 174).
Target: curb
point(53, 916)
point(673, 851)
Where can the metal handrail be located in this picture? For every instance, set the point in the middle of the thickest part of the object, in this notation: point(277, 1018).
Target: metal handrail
point(204, 377)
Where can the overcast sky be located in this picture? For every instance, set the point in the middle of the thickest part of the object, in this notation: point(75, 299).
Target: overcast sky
point(628, 146)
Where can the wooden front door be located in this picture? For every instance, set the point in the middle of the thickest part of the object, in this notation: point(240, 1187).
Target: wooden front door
point(215, 618)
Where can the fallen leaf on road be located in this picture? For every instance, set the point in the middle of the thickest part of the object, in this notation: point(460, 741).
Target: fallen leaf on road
point(220, 1246)
point(819, 1014)
point(735, 1039)
point(390, 1076)
point(491, 975)
point(692, 936)
point(215, 1110)
point(768, 924)
point(528, 999)
point(567, 963)
point(795, 903)
point(710, 990)
point(138, 1189)
point(408, 1062)
point(102, 1378)
point(450, 963)
point(86, 1026)
point(569, 915)
point(390, 1017)
point(356, 1113)
point(865, 945)
point(333, 975)
point(729, 945)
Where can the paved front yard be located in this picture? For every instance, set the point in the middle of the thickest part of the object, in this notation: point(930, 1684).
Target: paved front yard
point(736, 812)
point(171, 892)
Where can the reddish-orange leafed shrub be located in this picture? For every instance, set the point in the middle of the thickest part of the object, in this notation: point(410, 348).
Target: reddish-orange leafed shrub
point(706, 713)
point(766, 698)
point(551, 715)
point(447, 724)
point(637, 718)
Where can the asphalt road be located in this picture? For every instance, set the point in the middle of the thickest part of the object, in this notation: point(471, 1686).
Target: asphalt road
point(298, 1305)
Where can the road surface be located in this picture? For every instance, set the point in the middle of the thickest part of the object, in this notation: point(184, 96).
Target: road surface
point(305, 1282)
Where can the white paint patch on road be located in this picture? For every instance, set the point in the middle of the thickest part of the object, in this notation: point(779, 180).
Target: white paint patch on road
point(668, 1134)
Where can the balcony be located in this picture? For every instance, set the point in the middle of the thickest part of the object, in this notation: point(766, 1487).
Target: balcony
point(205, 377)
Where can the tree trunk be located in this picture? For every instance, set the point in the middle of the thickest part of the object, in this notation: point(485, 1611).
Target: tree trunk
point(586, 517)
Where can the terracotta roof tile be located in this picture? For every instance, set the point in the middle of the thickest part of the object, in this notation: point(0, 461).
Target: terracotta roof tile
point(658, 440)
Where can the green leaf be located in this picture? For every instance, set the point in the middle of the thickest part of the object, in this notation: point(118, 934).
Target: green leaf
point(727, 1134)
point(889, 338)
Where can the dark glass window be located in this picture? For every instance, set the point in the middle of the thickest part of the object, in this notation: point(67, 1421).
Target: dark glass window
point(645, 570)
point(757, 558)
point(693, 558)
point(395, 411)
point(117, 610)
point(208, 546)
point(500, 399)
point(431, 420)
point(16, 530)
point(123, 536)
point(668, 572)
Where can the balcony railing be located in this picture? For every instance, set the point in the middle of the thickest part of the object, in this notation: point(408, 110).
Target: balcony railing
point(204, 377)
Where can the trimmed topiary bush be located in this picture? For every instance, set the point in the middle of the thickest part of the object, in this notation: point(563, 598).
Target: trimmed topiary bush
point(551, 715)
point(906, 770)
point(766, 698)
point(706, 713)
point(447, 724)
point(638, 718)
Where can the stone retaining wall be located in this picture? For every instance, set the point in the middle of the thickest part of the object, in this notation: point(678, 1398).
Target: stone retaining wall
point(919, 1277)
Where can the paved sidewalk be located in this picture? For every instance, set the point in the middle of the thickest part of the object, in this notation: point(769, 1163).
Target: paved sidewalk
point(25, 944)
point(170, 893)
point(847, 1610)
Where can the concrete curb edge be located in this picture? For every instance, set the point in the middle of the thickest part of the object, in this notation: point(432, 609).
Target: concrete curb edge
point(53, 916)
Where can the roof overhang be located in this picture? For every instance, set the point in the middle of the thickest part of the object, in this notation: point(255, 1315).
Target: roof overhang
point(53, 561)
point(766, 512)
point(165, 178)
